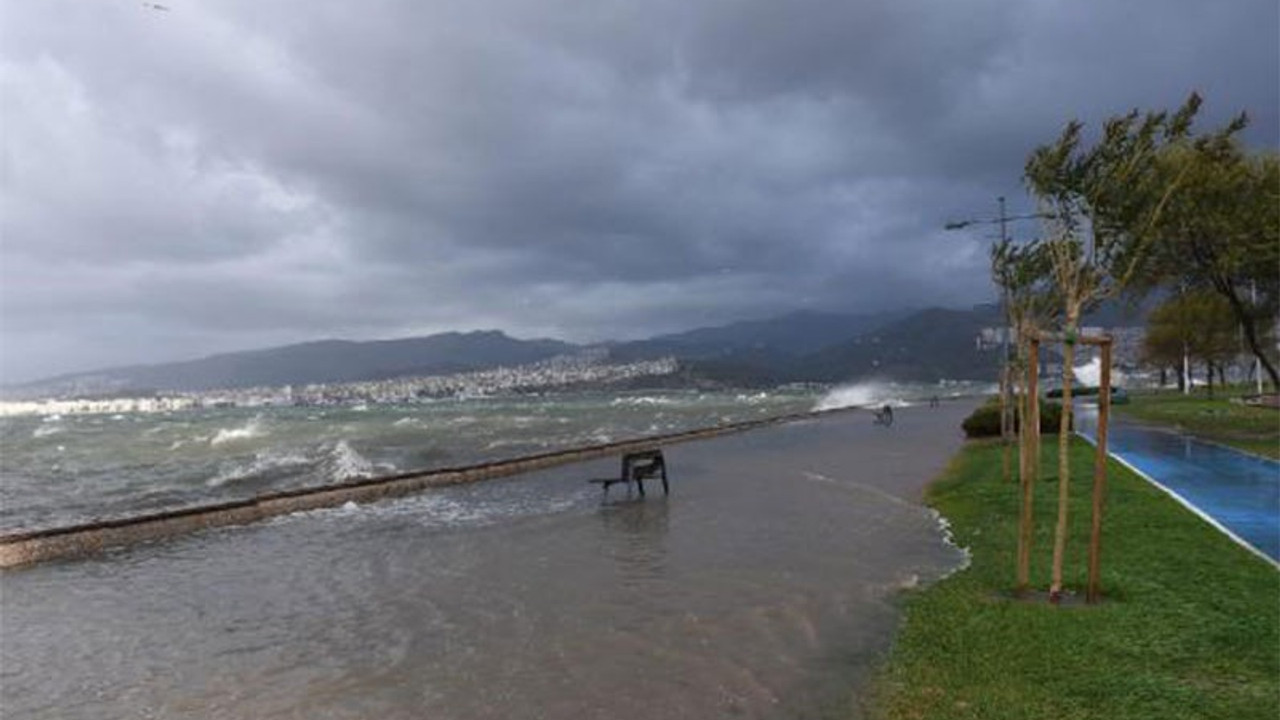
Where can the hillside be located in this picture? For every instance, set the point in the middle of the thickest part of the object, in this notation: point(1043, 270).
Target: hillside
point(326, 361)
point(797, 347)
point(930, 345)
point(755, 342)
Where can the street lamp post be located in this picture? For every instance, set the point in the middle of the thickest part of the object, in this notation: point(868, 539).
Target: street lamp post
point(1003, 221)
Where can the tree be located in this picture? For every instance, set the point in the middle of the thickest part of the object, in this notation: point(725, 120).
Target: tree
point(1105, 202)
point(1165, 343)
point(1220, 229)
point(1197, 324)
point(1023, 274)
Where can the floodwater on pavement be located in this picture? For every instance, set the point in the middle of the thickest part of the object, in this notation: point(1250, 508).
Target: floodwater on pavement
point(763, 586)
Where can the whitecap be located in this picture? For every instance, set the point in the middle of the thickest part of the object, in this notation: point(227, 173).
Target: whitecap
point(642, 400)
point(262, 463)
point(345, 463)
point(251, 429)
point(46, 431)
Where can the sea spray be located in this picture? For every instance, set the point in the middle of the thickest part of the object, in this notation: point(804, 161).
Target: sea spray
point(863, 394)
point(1090, 374)
point(347, 464)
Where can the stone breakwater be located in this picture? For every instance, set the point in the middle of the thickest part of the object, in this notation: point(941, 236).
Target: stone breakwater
point(25, 548)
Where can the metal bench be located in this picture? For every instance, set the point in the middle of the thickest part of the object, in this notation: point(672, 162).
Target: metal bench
point(636, 468)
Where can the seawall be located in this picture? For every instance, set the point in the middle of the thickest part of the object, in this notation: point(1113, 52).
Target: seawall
point(25, 548)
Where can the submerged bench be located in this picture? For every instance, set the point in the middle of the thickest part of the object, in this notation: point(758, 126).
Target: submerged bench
point(636, 468)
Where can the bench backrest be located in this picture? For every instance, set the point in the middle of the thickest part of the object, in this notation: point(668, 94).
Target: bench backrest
point(643, 464)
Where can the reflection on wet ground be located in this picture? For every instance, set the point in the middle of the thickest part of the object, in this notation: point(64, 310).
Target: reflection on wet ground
point(1241, 492)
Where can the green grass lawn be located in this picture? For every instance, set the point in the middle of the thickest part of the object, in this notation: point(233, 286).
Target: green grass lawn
point(1253, 429)
point(1190, 627)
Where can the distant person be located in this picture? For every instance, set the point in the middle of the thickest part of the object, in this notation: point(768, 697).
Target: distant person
point(884, 416)
point(933, 401)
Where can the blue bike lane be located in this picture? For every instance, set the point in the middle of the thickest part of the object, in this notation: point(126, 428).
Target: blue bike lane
point(1234, 491)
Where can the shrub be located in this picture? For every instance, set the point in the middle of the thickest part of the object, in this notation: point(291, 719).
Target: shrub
point(985, 421)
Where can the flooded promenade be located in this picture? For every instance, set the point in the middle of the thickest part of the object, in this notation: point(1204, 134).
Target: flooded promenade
point(762, 587)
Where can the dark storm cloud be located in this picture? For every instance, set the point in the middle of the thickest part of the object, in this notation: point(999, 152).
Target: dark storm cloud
point(232, 175)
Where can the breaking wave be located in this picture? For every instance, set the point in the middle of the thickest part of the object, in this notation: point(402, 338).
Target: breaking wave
point(345, 463)
point(263, 464)
point(864, 394)
point(251, 429)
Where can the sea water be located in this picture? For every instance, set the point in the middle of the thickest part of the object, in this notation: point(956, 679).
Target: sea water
point(59, 470)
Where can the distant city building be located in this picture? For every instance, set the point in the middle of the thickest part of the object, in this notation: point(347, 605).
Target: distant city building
point(588, 367)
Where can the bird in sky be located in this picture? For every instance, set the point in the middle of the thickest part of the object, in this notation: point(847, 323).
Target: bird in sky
point(155, 6)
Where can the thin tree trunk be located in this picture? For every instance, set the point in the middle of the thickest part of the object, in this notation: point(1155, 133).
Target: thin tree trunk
point(1004, 421)
point(1030, 433)
point(1246, 320)
point(1064, 469)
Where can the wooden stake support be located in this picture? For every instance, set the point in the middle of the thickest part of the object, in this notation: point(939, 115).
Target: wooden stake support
point(1030, 468)
point(1099, 475)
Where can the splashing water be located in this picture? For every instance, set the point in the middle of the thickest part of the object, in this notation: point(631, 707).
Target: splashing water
point(864, 394)
point(251, 429)
point(1090, 374)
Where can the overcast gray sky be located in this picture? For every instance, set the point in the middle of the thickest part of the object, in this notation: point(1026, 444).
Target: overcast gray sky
point(233, 174)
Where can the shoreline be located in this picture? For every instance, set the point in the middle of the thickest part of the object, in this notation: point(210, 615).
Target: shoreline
point(766, 585)
point(23, 548)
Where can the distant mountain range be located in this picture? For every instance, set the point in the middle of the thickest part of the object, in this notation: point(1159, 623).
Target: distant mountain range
point(325, 361)
point(923, 345)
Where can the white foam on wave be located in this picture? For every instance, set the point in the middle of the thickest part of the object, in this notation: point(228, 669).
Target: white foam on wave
point(46, 431)
point(345, 463)
point(249, 430)
point(262, 463)
point(439, 510)
point(948, 537)
point(863, 394)
point(642, 401)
